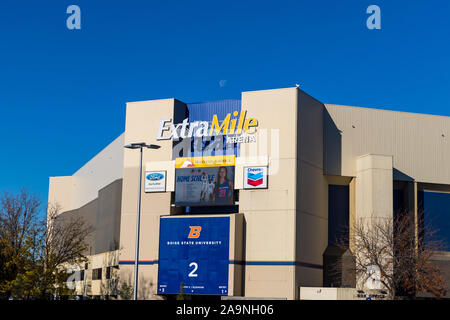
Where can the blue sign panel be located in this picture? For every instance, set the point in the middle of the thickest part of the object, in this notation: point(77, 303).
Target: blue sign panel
point(194, 253)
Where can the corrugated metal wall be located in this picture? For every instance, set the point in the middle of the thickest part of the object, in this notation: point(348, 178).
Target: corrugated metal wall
point(419, 143)
point(204, 111)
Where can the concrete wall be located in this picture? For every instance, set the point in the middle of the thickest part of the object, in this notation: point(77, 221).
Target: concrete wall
point(312, 194)
point(142, 123)
point(374, 187)
point(287, 222)
point(103, 215)
point(99, 172)
point(73, 192)
point(270, 214)
point(94, 193)
point(60, 192)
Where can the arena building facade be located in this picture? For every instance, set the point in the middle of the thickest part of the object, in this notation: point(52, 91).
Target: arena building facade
point(246, 197)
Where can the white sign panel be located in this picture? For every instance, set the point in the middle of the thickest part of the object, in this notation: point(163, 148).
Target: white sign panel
point(373, 281)
point(155, 181)
point(255, 177)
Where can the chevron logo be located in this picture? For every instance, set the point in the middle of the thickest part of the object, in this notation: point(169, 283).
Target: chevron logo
point(255, 179)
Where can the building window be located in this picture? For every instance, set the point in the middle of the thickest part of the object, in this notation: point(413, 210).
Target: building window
point(108, 273)
point(338, 214)
point(97, 274)
point(435, 210)
point(399, 202)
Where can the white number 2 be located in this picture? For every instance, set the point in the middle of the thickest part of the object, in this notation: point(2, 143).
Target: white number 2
point(192, 273)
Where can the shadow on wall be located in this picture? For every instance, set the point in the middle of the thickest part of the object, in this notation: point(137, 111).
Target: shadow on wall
point(400, 176)
point(244, 255)
point(147, 288)
point(332, 146)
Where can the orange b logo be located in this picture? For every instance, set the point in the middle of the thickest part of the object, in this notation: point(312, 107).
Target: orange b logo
point(195, 232)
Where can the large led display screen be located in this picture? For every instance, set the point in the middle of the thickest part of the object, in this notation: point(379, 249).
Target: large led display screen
point(208, 181)
point(194, 255)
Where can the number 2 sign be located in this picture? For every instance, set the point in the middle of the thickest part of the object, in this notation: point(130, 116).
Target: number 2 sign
point(194, 253)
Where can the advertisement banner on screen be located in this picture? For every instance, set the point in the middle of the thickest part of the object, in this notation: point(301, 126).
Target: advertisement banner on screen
point(205, 162)
point(194, 255)
point(155, 181)
point(207, 182)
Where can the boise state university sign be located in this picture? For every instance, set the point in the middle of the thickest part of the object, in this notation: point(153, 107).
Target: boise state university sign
point(194, 255)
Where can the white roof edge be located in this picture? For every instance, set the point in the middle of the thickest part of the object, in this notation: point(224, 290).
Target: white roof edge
point(386, 110)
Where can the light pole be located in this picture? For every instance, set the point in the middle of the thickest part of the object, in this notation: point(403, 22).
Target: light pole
point(140, 146)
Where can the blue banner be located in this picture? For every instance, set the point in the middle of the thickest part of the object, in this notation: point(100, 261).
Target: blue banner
point(194, 253)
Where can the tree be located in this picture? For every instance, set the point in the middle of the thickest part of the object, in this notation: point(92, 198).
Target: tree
point(181, 295)
point(19, 230)
point(35, 250)
point(126, 289)
point(64, 245)
point(401, 257)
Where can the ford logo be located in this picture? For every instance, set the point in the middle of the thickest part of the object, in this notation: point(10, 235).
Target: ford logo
point(155, 176)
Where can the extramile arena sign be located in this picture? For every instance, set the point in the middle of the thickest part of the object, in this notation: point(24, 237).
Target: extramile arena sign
point(235, 126)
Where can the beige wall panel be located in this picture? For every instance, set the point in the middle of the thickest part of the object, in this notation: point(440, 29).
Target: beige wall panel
point(126, 273)
point(127, 236)
point(279, 196)
point(312, 191)
point(169, 167)
point(147, 285)
point(105, 259)
point(308, 277)
point(149, 237)
point(235, 285)
point(374, 195)
point(270, 282)
point(148, 278)
point(130, 187)
point(155, 203)
point(310, 130)
point(241, 163)
point(142, 123)
point(270, 235)
point(274, 109)
point(96, 287)
point(266, 274)
point(374, 185)
point(312, 238)
point(419, 143)
point(60, 192)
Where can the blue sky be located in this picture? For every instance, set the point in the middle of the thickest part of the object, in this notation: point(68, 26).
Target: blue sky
point(63, 92)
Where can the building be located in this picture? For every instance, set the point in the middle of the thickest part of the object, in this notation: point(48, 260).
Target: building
point(302, 169)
